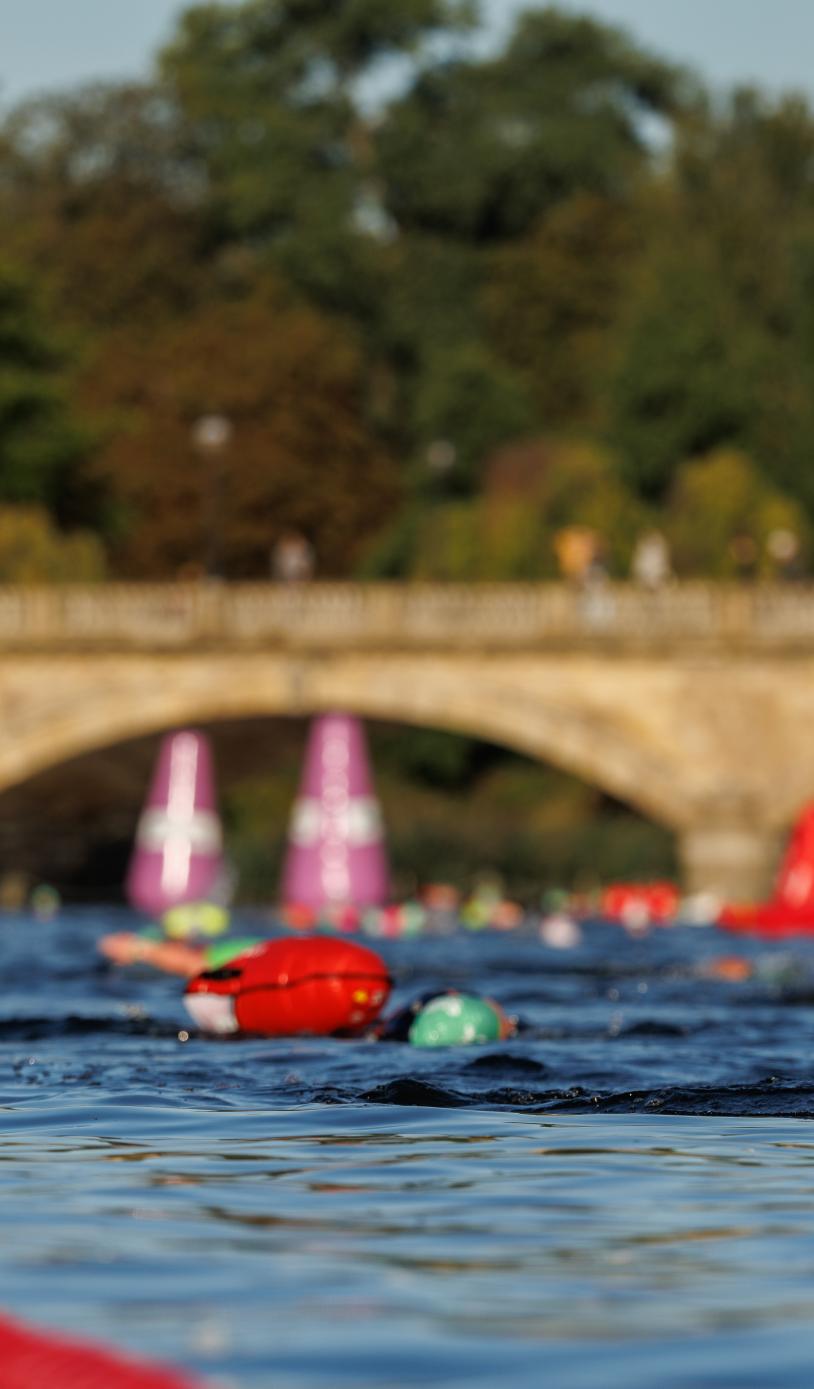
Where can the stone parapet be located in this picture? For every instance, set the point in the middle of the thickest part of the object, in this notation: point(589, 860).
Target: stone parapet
point(344, 616)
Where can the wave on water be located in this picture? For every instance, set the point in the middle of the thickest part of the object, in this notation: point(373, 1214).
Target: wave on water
point(599, 1199)
point(615, 1026)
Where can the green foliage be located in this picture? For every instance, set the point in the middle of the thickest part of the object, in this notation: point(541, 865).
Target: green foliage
point(469, 404)
point(717, 501)
point(715, 347)
point(453, 301)
point(42, 446)
point(255, 813)
point(428, 757)
point(454, 808)
point(689, 373)
point(269, 90)
point(552, 299)
point(533, 826)
point(102, 196)
point(532, 491)
point(466, 541)
point(581, 486)
point(507, 258)
point(480, 151)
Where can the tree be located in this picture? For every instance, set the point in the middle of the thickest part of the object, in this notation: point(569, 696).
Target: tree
point(43, 446)
point(466, 405)
point(300, 456)
point(715, 348)
point(687, 374)
point(270, 91)
point(718, 502)
point(532, 490)
point(102, 198)
point(481, 150)
point(506, 180)
point(551, 301)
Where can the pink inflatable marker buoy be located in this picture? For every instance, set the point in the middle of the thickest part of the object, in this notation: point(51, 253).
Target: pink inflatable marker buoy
point(178, 854)
point(336, 854)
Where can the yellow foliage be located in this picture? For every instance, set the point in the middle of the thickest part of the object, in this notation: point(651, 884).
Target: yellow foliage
point(722, 508)
point(33, 551)
point(534, 489)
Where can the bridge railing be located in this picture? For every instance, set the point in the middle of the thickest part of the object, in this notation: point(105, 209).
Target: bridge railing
point(336, 615)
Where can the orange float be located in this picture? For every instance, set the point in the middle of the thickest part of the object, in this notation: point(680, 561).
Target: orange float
point(283, 988)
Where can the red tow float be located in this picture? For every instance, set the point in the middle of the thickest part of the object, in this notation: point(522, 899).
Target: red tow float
point(284, 988)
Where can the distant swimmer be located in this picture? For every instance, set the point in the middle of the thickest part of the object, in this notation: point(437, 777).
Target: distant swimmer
point(450, 1019)
point(185, 957)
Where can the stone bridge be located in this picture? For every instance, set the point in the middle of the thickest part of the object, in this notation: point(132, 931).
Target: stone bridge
point(694, 704)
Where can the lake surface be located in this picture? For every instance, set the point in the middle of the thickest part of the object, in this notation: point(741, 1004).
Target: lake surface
point(623, 1194)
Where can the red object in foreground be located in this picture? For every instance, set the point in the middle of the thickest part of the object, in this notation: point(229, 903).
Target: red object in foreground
point(283, 988)
point(29, 1360)
point(790, 909)
point(770, 919)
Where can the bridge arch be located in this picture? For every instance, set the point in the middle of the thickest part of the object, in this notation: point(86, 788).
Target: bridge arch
point(122, 699)
point(691, 705)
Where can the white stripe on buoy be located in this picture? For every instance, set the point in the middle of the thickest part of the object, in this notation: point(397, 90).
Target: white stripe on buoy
point(202, 829)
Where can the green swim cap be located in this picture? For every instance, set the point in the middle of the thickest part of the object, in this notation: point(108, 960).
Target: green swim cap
point(227, 950)
point(413, 919)
point(455, 1020)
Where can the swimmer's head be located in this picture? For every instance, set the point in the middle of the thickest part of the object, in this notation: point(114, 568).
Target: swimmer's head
point(453, 1019)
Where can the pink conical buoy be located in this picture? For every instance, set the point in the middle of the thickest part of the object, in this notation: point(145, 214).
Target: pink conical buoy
point(336, 855)
point(177, 856)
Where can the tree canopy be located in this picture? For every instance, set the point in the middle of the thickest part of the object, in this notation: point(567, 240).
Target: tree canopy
point(42, 442)
point(393, 256)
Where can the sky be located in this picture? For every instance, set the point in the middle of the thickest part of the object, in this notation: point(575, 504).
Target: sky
point(46, 44)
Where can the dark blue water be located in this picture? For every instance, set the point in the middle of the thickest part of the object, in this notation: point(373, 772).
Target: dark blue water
point(624, 1194)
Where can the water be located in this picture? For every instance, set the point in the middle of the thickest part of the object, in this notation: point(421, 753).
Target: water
point(624, 1194)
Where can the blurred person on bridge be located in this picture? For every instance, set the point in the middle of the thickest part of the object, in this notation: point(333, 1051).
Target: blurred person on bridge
point(785, 555)
point(582, 554)
point(745, 556)
point(578, 552)
point(650, 565)
point(292, 559)
point(597, 602)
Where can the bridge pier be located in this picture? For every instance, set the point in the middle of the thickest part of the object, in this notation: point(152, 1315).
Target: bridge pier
point(735, 861)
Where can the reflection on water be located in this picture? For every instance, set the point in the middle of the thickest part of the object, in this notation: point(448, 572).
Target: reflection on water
point(260, 1247)
point(251, 1211)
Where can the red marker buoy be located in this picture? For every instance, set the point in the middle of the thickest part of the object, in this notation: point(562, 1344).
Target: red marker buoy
point(29, 1360)
point(283, 988)
point(790, 909)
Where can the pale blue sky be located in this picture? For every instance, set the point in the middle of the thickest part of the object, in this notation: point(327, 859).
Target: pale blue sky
point(55, 43)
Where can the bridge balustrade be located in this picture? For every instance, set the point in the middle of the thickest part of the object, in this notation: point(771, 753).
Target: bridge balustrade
point(337, 615)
